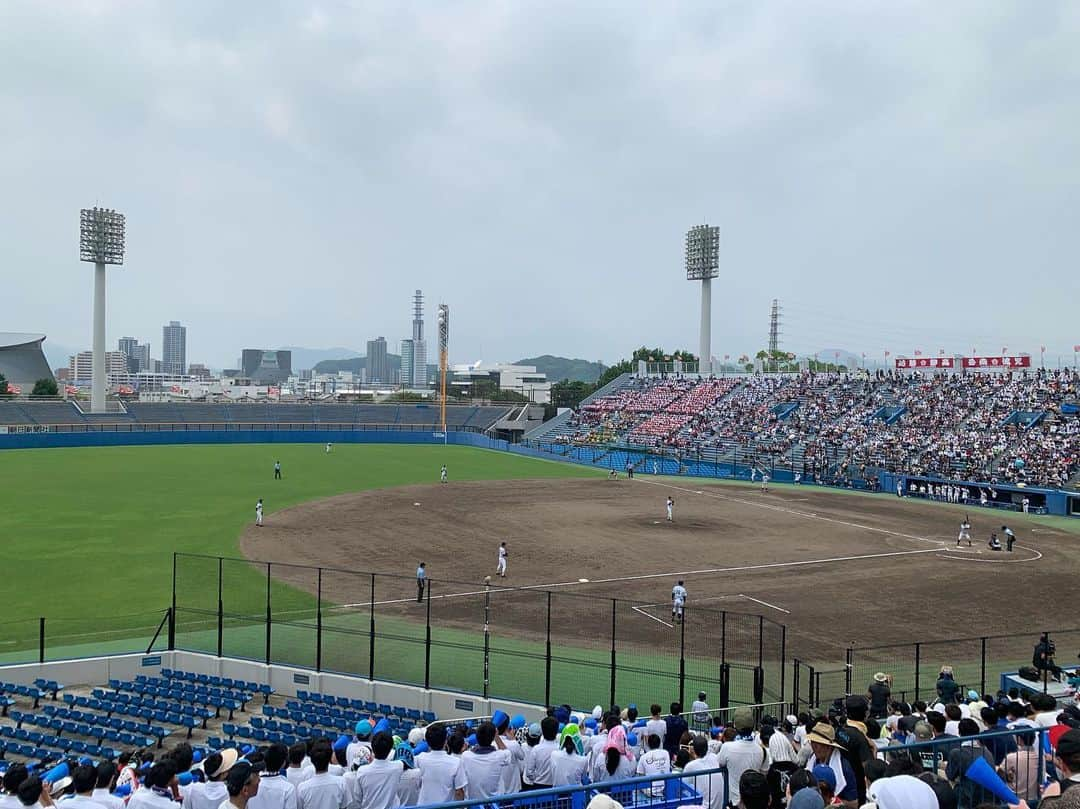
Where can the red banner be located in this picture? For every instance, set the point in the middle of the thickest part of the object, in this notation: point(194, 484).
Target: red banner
point(997, 362)
point(14, 389)
point(925, 362)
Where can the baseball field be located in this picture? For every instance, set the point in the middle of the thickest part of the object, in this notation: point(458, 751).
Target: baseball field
point(90, 537)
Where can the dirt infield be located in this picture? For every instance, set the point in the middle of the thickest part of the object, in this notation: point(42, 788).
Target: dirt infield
point(834, 567)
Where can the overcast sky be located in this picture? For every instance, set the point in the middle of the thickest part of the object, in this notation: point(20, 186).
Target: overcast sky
point(900, 175)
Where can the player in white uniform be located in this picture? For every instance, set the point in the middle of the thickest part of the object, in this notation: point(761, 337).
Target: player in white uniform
point(678, 601)
point(442, 474)
point(965, 532)
point(329, 447)
point(258, 512)
point(670, 510)
point(764, 481)
point(501, 570)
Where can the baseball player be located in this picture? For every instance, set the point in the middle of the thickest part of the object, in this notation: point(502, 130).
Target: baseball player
point(501, 569)
point(258, 513)
point(678, 601)
point(764, 481)
point(965, 532)
point(277, 470)
point(329, 447)
point(442, 474)
point(421, 579)
point(670, 510)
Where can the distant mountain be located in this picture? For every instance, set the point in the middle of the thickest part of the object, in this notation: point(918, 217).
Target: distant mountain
point(303, 358)
point(846, 358)
point(560, 368)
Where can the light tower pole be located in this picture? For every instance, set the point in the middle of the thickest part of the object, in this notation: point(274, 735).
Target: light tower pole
point(702, 264)
point(444, 351)
point(101, 242)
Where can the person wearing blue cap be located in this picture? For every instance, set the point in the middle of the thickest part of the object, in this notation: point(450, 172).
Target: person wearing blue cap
point(510, 781)
point(359, 750)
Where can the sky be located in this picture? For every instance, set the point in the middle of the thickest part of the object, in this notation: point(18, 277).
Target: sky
point(900, 175)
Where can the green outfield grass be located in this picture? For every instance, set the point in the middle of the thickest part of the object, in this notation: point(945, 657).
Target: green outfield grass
point(89, 533)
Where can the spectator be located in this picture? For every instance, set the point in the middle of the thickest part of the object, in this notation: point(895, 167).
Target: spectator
point(242, 782)
point(13, 778)
point(826, 752)
point(214, 792)
point(878, 692)
point(376, 783)
point(83, 780)
point(484, 763)
point(676, 727)
point(442, 778)
point(903, 792)
point(711, 787)
point(947, 687)
point(275, 791)
point(656, 724)
point(359, 750)
point(852, 735)
point(568, 762)
point(616, 758)
point(700, 710)
point(157, 789)
point(296, 773)
point(743, 753)
point(753, 791)
point(322, 790)
point(654, 762)
point(538, 772)
point(32, 793)
point(106, 774)
point(968, 792)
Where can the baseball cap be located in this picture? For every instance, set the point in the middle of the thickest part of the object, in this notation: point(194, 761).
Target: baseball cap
point(363, 727)
point(824, 774)
point(743, 719)
point(923, 731)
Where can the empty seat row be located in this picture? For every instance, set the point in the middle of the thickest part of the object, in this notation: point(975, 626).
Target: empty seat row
point(115, 722)
point(377, 710)
point(219, 682)
point(35, 737)
point(162, 688)
point(20, 690)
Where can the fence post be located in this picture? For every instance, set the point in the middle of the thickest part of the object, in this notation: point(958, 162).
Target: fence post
point(427, 641)
point(783, 662)
point(918, 666)
point(318, 622)
point(172, 614)
point(614, 602)
point(725, 684)
point(41, 639)
point(682, 658)
point(847, 670)
point(982, 668)
point(795, 686)
point(371, 632)
point(723, 637)
point(761, 641)
point(487, 635)
point(268, 617)
point(220, 609)
point(547, 655)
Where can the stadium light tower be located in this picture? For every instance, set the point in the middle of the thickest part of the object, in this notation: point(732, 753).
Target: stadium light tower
point(702, 264)
point(101, 242)
point(444, 350)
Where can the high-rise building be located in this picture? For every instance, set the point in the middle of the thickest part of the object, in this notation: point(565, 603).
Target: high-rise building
point(127, 345)
point(138, 355)
point(174, 348)
point(81, 365)
point(378, 369)
point(418, 376)
point(406, 375)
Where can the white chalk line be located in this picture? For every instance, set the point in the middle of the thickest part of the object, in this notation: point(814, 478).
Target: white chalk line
point(766, 604)
point(806, 514)
point(1038, 555)
point(669, 575)
point(702, 599)
point(641, 611)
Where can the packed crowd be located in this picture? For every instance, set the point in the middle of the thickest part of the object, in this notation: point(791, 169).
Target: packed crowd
point(854, 755)
point(958, 426)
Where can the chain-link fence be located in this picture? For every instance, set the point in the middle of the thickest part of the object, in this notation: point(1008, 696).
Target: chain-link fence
point(515, 643)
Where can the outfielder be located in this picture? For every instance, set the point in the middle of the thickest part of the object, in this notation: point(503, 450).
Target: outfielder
point(501, 569)
point(442, 474)
point(670, 510)
point(258, 513)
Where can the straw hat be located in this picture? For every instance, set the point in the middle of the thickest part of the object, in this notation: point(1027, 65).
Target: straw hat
point(880, 677)
point(823, 733)
point(228, 759)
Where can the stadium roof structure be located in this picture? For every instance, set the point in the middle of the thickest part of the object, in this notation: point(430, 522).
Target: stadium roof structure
point(22, 362)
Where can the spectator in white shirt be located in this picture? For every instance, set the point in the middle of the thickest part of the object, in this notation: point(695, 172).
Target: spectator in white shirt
point(743, 753)
point(157, 789)
point(711, 787)
point(296, 773)
point(242, 782)
point(484, 763)
point(33, 795)
point(360, 747)
point(13, 778)
point(511, 777)
point(322, 790)
point(275, 791)
point(568, 762)
point(655, 762)
point(408, 790)
point(376, 783)
point(106, 774)
point(538, 759)
point(214, 792)
point(656, 724)
point(442, 777)
point(83, 780)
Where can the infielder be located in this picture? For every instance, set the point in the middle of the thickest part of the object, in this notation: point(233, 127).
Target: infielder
point(258, 512)
point(678, 601)
point(764, 481)
point(442, 474)
point(965, 532)
point(277, 470)
point(670, 510)
point(501, 569)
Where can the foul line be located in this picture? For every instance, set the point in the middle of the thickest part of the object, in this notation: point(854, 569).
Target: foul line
point(765, 603)
point(808, 515)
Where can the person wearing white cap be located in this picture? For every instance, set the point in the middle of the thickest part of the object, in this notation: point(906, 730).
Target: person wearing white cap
point(213, 793)
point(902, 792)
point(275, 791)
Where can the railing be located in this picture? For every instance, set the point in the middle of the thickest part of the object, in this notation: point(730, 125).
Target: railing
point(42, 640)
point(524, 644)
point(233, 426)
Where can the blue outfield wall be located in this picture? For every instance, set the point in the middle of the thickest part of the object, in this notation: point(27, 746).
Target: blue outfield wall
point(1057, 502)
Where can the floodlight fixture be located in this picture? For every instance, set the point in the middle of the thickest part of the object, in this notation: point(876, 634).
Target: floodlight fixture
point(101, 242)
point(101, 236)
point(444, 354)
point(703, 264)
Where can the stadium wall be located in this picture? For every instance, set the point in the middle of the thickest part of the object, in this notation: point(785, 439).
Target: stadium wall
point(1061, 503)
